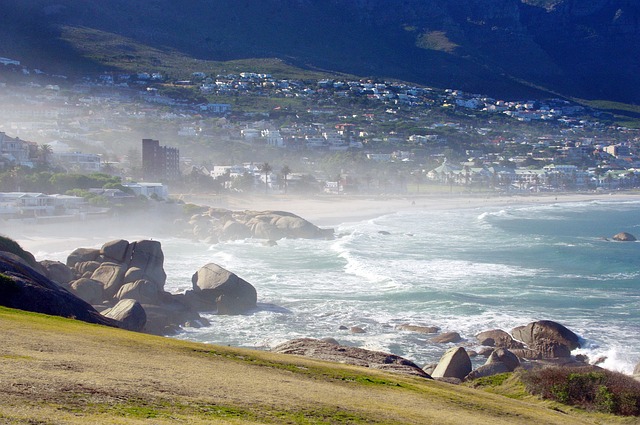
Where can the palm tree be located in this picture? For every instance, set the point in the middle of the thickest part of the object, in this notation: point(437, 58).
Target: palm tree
point(266, 169)
point(285, 172)
point(46, 151)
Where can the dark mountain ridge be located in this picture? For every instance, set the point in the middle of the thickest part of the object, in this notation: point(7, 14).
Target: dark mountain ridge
point(505, 48)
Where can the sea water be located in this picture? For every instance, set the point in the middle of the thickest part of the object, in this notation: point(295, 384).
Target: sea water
point(463, 270)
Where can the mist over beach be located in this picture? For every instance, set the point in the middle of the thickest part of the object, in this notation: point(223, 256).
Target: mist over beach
point(461, 263)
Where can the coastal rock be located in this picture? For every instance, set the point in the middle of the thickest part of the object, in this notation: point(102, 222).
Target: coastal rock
point(116, 251)
point(144, 291)
point(487, 370)
point(24, 288)
point(636, 370)
point(81, 255)
point(455, 363)
point(129, 313)
point(147, 255)
point(215, 288)
point(548, 338)
point(232, 230)
point(624, 237)
point(165, 319)
point(418, 329)
point(447, 337)
point(270, 225)
point(110, 275)
point(351, 355)
point(89, 290)
point(57, 271)
point(504, 356)
point(86, 267)
point(498, 338)
point(357, 330)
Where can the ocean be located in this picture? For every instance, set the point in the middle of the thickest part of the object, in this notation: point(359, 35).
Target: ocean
point(463, 270)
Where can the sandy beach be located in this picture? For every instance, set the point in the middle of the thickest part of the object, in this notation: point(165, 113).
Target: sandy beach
point(331, 210)
point(322, 210)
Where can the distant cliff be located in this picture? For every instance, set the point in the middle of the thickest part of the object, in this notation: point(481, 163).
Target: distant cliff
point(586, 48)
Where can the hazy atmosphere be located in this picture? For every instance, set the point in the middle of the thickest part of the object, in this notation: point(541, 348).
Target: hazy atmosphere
point(444, 190)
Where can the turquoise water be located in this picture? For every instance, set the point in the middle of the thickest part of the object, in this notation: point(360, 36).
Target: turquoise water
point(463, 270)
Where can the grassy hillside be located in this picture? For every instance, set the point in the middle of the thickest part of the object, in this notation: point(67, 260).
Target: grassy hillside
point(59, 371)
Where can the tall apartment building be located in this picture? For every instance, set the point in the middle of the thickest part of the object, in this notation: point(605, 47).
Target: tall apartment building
point(159, 163)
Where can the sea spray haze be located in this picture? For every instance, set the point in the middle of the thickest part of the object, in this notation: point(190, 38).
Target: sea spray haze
point(465, 270)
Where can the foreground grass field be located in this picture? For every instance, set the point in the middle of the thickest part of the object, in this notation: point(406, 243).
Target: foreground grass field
point(60, 371)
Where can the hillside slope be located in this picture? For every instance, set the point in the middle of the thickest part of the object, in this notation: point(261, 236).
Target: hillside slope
point(500, 47)
point(55, 370)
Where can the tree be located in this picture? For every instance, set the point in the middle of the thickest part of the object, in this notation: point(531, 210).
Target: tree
point(45, 153)
point(285, 172)
point(266, 169)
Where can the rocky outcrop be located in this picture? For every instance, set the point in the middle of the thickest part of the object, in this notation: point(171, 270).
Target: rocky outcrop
point(219, 224)
point(57, 271)
point(121, 271)
point(455, 363)
point(129, 313)
point(329, 351)
point(418, 329)
point(624, 237)
point(24, 288)
point(548, 338)
point(447, 337)
point(498, 338)
point(504, 356)
point(217, 289)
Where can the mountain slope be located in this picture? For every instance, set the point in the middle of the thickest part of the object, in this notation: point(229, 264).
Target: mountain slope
point(582, 48)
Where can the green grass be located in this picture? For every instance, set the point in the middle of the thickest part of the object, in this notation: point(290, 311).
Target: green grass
point(56, 370)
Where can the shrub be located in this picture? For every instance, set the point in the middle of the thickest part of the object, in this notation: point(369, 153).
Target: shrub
point(587, 387)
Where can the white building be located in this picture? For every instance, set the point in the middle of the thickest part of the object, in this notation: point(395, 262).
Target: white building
point(149, 189)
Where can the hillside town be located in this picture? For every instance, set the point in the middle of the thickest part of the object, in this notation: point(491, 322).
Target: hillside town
point(253, 132)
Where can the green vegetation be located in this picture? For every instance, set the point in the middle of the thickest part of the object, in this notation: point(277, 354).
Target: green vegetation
point(436, 40)
point(56, 370)
point(595, 390)
point(122, 53)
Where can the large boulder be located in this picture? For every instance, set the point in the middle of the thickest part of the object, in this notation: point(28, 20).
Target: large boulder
point(446, 338)
point(487, 370)
point(624, 237)
point(332, 352)
point(110, 275)
point(215, 288)
point(147, 255)
point(117, 251)
point(129, 313)
point(167, 317)
point(81, 255)
point(233, 230)
point(549, 338)
point(24, 288)
point(498, 338)
point(89, 290)
point(504, 356)
point(143, 291)
point(455, 363)
point(57, 271)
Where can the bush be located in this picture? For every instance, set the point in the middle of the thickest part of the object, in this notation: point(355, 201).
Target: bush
point(587, 387)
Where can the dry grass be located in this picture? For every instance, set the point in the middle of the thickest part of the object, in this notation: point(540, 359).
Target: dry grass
point(58, 371)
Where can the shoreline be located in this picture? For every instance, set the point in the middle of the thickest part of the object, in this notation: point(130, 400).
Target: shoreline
point(322, 210)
